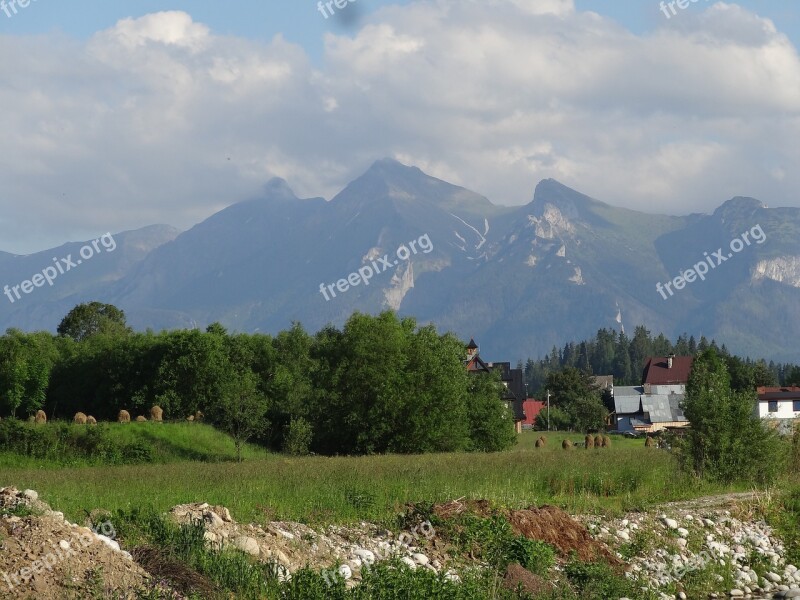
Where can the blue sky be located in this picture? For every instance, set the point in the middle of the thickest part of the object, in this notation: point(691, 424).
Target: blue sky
point(120, 114)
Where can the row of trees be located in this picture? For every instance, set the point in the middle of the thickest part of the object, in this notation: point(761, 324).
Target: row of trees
point(613, 353)
point(379, 384)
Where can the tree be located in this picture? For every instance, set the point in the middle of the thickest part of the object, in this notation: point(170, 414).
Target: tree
point(726, 441)
point(86, 320)
point(574, 392)
point(240, 409)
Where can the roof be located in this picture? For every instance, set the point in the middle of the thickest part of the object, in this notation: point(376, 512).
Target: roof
point(656, 371)
point(765, 394)
point(604, 381)
point(627, 399)
point(472, 345)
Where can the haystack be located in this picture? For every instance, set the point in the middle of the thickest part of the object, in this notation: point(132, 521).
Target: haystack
point(124, 416)
point(588, 442)
point(79, 418)
point(539, 443)
point(156, 414)
point(40, 417)
point(90, 420)
point(141, 419)
point(606, 442)
point(566, 444)
point(598, 441)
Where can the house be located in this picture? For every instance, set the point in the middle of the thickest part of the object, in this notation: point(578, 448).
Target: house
point(531, 408)
point(656, 404)
point(513, 380)
point(781, 404)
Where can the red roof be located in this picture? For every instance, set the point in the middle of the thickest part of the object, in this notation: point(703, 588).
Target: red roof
point(766, 394)
point(531, 408)
point(657, 373)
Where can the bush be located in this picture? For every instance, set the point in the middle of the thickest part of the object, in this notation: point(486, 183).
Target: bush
point(599, 580)
point(298, 437)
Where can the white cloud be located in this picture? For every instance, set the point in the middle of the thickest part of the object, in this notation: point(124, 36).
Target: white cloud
point(158, 119)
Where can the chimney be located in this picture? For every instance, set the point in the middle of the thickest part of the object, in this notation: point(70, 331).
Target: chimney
point(669, 360)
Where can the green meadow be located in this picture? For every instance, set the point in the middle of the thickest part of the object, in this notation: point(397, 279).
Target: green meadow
point(195, 463)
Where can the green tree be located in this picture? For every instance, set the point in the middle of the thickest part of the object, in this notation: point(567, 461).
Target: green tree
point(241, 408)
point(88, 319)
point(491, 421)
point(574, 392)
point(726, 441)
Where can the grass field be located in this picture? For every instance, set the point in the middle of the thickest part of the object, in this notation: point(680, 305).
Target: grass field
point(324, 490)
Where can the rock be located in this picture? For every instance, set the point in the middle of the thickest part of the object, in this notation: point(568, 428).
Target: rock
point(345, 571)
point(773, 577)
point(213, 519)
point(420, 559)
point(736, 593)
point(683, 532)
point(247, 544)
point(31, 495)
point(623, 535)
point(63, 544)
point(409, 563)
point(670, 523)
point(109, 542)
point(365, 555)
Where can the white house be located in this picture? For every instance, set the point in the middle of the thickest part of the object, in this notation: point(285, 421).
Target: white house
point(781, 404)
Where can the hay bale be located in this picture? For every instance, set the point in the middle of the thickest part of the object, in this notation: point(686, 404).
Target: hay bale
point(79, 418)
point(648, 442)
point(606, 442)
point(90, 420)
point(598, 441)
point(156, 414)
point(40, 417)
point(544, 441)
point(566, 444)
point(198, 416)
point(588, 442)
point(141, 419)
point(539, 443)
point(124, 416)
point(190, 418)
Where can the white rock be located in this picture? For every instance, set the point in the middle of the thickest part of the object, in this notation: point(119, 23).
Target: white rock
point(108, 542)
point(773, 577)
point(409, 563)
point(670, 523)
point(365, 555)
point(736, 593)
point(420, 559)
point(345, 571)
point(623, 535)
point(64, 544)
point(683, 532)
point(247, 544)
point(31, 495)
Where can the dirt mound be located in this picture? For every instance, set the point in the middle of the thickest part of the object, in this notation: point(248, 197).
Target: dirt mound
point(552, 525)
point(518, 578)
point(45, 557)
point(481, 508)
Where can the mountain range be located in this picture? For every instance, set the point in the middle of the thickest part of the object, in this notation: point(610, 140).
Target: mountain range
point(519, 280)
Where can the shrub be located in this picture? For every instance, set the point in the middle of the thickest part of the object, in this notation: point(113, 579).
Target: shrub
point(298, 437)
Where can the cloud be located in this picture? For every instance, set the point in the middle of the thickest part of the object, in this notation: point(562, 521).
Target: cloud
point(160, 120)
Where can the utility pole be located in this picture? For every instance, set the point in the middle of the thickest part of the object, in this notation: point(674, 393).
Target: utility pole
point(548, 410)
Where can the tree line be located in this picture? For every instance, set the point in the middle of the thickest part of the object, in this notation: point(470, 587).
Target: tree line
point(378, 384)
point(614, 353)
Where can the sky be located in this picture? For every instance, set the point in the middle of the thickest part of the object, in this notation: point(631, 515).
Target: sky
point(117, 115)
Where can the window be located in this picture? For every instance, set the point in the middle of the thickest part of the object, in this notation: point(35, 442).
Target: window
point(796, 406)
point(773, 406)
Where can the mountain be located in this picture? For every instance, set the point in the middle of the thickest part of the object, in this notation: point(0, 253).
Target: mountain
point(518, 279)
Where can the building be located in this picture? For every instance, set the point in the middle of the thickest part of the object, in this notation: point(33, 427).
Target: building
point(513, 380)
point(656, 404)
point(531, 408)
point(781, 404)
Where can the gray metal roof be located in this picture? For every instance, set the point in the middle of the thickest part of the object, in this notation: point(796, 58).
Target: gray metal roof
point(657, 408)
point(627, 399)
